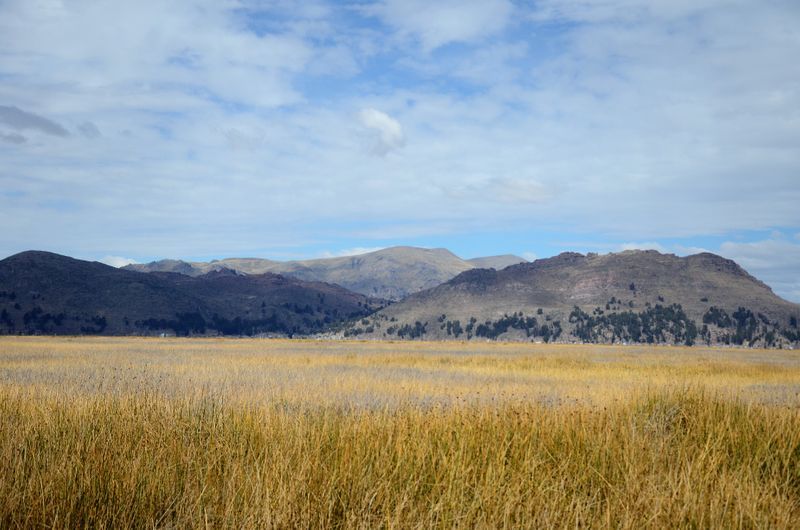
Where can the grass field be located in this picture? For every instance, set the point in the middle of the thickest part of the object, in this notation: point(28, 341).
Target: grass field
point(269, 433)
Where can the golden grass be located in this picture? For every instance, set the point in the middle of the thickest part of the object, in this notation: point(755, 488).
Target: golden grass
point(251, 433)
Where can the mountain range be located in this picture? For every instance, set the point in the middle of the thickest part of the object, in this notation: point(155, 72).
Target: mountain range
point(631, 296)
point(391, 273)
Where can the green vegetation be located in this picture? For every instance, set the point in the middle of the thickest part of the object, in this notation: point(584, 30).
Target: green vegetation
point(657, 324)
point(412, 332)
point(518, 321)
point(454, 328)
point(747, 328)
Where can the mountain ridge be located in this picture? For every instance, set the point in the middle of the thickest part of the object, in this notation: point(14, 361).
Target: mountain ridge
point(391, 273)
point(43, 292)
point(630, 296)
point(617, 297)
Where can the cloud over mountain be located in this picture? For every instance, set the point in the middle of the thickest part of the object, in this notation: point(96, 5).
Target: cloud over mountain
point(204, 129)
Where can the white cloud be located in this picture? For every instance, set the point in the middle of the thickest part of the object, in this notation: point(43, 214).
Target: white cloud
point(650, 245)
point(386, 132)
point(110, 50)
point(530, 256)
point(682, 250)
point(355, 251)
point(248, 138)
point(116, 261)
point(774, 261)
point(614, 10)
point(516, 190)
point(444, 21)
point(507, 190)
point(224, 134)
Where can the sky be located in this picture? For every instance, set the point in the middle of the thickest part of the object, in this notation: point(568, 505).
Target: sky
point(134, 131)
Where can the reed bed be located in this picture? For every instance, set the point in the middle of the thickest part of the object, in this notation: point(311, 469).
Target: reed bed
point(139, 433)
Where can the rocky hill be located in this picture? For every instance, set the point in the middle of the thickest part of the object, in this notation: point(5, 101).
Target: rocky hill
point(391, 273)
point(632, 296)
point(41, 292)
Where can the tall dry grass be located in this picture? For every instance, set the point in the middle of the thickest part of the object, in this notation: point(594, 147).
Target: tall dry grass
point(144, 456)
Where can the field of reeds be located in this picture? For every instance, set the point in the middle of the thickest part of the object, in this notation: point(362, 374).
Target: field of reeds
point(125, 432)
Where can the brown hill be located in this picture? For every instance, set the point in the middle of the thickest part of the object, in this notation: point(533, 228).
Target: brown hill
point(391, 273)
point(640, 296)
point(41, 292)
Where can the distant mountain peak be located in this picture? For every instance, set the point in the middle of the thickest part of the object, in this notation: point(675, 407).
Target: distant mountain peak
point(391, 273)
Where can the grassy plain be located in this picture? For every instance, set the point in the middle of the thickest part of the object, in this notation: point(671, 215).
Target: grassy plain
point(124, 432)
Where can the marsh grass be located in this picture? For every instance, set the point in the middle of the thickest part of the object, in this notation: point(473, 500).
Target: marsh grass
point(141, 454)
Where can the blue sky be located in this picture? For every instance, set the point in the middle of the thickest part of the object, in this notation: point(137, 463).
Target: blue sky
point(206, 129)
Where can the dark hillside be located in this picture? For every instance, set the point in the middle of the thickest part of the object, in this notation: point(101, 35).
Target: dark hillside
point(41, 292)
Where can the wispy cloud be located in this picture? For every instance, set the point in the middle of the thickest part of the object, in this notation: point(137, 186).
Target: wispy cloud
point(506, 190)
point(27, 121)
point(13, 138)
point(683, 250)
point(218, 128)
point(436, 24)
point(776, 261)
point(89, 130)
